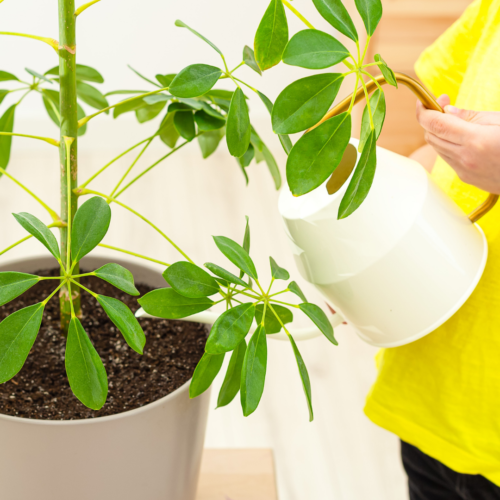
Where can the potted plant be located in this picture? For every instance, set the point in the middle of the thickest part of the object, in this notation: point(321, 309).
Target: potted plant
point(141, 446)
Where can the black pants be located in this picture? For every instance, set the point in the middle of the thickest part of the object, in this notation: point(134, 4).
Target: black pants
point(429, 479)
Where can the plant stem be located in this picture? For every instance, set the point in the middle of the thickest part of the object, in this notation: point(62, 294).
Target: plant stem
point(52, 213)
point(87, 182)
point(85, 7)
point(15, 244)
point(134, 254)
point(298, 14)
point(53, 293)
point(239, 66)
point(84, 288)
point(69, 128)
point(54, 142)
point(365, 50)
point(279, 319)
point(374, 80)
point(353, 100)
point(285, 303)
point(241, 81)
point(367, 97)
point(53, 43)
point(67, 142)
point(85, 119)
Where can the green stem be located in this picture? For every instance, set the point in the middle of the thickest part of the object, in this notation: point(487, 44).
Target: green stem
point(365, 50)
point(134, 254)
point(298, 14)
point(126, 207)
point(279, 293)
point(53, 293)
point(85, 119)
point(239, 66)
point(244, 83)
point(353, 100)
point(367, 97)
point(68, 141)
point(279, 319)
point(50, 41)
point(85, 7)
point(374, 80)
point(285, 303)
point(15, 244)
point(54, 142)
point(372, 64)
point(83, 287)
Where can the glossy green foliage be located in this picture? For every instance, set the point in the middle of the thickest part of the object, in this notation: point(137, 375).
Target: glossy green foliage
point(195, 80)
point(40, 231)
point(91, 96)
point(118, 276)
point(90, 225)
point(38, 75)
point(184, 124)
point(190, 280)
point(231, 385)
point(303, 103)
point(277, 272)
point(247, 158)
point(204, 374)
point(304, 376)
point(314, 49)
point(294, 288)
point(230, 329)
point(51, 102)
point(167, 303)
point(336, 14)
point(249, 59)
point(378, 109)
point(83, 73)
point(253, 374)
point(86, 373)
point(146, 113)
point(271, 36)
point(317, 154)
point(5, 76)
point(181, 24)
point(284, 139)
point(319, 318)
point(6, 125)
point(206, 121)
point(209, 141)
point(389, 75)
point(17, 335)
point(13, 284)
point(123, 318)
point(165, 80)
point(238, 125)
point(225, 275)
point(262, 152)
point(127, 107)
point(3, 94)
point(361, 181)
point(237, 255)
point(167, 132)
point(371, 13)
point(273, 324)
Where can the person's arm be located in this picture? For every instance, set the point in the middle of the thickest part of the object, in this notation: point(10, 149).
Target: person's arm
point(469, 141)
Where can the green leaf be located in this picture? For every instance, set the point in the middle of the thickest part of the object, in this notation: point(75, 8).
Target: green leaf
point(238, 125)
point(83, 73)
point(294, 288)
point(13, 284)
point(38, 75)
point(194, 80)
point(205, 373)
point(143, 77)
point(179, 106)
point(6, 125)
point(86, 373)
point(40, 231)
point(271, 322)
point(237, 255)
point(194, 103)
point(181, 24)
point(304, 376)
point(249, 59)
point(209, 141)
point(5, 76)
point(3, 94)
point(226, 275)
point(120, 92)
point(118, 276)
point(128, 107)
point(90, 225)
point(211, 111)
point(318, 317)
point(362, 179)
point(317, 154)
point(207, 122)
point(246, 237)
point(284, 139)
point(123, 318)
point(230, 329)
point(247, 158)
point(271, 36)
point(378, 107)
point(303, 103)
point(156, 98)
point(184, 124)
point(91, 96)
point(147, 113)
point(336, 14)
point(253, 373)
point(17, 335)
point(190, 280)
point(371, 13)
point(165, 80)
point(314, 49)
point(389, 75)
point(231, 385)
point(263, 150)
point(168, 133)
point(51, 103)
point(167, 303)
point(277, 272)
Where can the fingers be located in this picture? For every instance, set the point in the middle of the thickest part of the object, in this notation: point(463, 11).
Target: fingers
point(464, 114)
point(441, 145)
point(443, 100)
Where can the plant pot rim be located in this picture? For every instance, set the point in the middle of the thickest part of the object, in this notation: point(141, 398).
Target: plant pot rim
point(108, 418)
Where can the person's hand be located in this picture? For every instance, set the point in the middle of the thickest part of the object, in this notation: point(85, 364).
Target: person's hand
point(469, 141)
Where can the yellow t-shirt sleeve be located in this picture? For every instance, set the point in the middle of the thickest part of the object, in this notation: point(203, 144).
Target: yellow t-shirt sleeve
point(442, 65)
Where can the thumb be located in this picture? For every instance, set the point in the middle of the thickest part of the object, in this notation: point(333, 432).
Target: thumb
point(465, 114)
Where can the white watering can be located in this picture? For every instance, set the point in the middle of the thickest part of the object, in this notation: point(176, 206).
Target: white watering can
point(400, 265)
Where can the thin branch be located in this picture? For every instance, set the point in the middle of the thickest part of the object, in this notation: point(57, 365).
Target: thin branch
point(134, 254)
point(85, 7)
point(298, 14)
point(54, 142)
point(50, 41)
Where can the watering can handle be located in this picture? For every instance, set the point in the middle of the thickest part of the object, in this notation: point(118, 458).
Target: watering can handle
point(428, 101)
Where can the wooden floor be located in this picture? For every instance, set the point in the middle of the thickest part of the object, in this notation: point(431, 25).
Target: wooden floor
point(341, 455)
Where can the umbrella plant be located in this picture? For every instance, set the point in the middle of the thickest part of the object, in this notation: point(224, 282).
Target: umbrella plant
point(188, 105)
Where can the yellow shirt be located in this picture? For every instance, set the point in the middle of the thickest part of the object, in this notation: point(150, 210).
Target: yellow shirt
point(442, 393)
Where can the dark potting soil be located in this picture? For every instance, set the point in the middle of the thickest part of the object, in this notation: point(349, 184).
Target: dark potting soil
point(41, 389)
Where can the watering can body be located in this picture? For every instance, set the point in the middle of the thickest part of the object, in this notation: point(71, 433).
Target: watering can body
point(400, 265)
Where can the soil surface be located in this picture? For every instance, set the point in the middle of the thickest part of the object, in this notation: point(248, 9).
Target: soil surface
point(41, 389)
